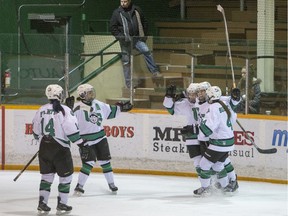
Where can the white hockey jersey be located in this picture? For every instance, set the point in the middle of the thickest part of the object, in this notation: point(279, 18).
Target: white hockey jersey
point(62, 128)
point(185, 108)
point(202, 109)
point(90, 119)
point(218, 128)
point(231, 104)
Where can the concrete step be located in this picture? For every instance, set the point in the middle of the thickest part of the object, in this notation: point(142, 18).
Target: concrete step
point(150, 82)
point(141, 93)
point(157, 105)
point(157, 98)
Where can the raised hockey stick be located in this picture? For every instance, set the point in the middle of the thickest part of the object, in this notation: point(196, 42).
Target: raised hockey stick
point(262, 151)
point(25, 167)
point(221, 9)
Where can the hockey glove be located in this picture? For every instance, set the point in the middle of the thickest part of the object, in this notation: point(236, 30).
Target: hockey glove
point(70, 102)
point(179, 96)
point(170, 91)
point(235, 94)
point(124, 106)
point(84, 150)
point(190, 129)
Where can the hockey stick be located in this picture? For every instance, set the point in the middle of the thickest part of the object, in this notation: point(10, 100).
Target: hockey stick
point(221, 9)
point(262, 151)
point(25, 167)
point(9, 95)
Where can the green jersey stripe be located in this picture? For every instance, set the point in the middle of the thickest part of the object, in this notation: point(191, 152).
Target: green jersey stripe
point(94, 136)
point(222, 142)
point(113, 112)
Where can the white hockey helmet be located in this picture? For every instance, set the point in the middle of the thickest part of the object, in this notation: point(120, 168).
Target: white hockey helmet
point(192, 88)
point(191, 92)
point(86, 92)
point(213, 93)
point(203, 85)
point(54, 92)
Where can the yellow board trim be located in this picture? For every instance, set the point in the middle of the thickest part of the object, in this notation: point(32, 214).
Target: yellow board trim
point(263, 117)
point(150, 172)
point(29, 107)
point(162, 112)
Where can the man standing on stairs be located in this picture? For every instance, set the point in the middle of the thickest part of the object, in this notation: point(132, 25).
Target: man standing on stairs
point(130, 27)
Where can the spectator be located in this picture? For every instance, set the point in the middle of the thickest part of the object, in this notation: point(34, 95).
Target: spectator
point(130, 27)
point(254, 93)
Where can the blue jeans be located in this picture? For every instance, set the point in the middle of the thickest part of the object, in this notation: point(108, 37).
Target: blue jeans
point(126, 53)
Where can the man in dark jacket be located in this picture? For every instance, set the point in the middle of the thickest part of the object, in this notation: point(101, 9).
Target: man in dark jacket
point(130, 27)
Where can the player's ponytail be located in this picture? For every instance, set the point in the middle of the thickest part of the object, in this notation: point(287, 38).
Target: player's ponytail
point(225, 108)
point(57, 106)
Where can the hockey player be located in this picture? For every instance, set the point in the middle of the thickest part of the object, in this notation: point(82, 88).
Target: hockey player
point(90, 114)
point(176, 105)
point(202, 107)
point(232, 103)
point(54, 125)
point(218, 127)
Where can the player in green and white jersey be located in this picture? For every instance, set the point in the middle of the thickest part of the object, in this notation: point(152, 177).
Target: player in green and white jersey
point(55, 126)
point(90, 114)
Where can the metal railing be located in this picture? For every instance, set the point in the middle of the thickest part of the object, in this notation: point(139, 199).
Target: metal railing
point(180, 60)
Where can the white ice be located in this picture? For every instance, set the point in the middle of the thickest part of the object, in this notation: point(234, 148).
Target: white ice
point(143, 195)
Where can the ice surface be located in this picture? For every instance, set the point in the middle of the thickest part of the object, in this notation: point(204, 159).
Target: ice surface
point(143, 195)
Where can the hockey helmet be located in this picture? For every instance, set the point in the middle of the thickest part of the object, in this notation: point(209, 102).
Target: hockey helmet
point(213, 93)
point(191, 92)
point(86, 92)
point(192, 88)
point(203, 85)
point(54, 92)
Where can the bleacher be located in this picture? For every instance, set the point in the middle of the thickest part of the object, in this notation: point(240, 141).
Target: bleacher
point(202, 36)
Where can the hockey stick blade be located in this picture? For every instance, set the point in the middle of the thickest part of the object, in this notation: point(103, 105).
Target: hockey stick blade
point(260, 150)
point(266, 151)
point(220, 8)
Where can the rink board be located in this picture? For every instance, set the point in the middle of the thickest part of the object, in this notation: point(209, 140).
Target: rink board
point(151, 141)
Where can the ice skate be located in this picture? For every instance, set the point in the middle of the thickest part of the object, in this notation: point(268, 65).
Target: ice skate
point(62, 209)
point(113, 188)
point(231, 187)
point(42, 208)
point(215, 185)
point(203, 192)
point(78, 191)
point(217, 188)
